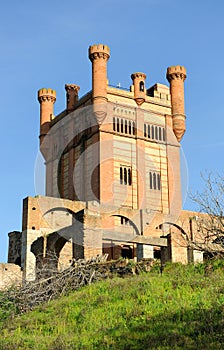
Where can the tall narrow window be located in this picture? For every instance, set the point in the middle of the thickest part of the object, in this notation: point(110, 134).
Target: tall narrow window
point(158, 182)
point(129, 177)
point(114, 124)
point(118, 125)
point(150, 180)
point(121, 175)
point(156, 133)
point(122, 125)
point(129, 127)
point(133, 128)
point(145, 130)
point(149, 131)
point(125, 176)
point(126, 126)
point(141, 86)
point(154, 181)
point(160, 134)
point(152, 129)
point(164, 134)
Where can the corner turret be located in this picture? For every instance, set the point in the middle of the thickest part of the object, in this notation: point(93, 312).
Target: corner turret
point(99, 55)
point(139, 87)
point(176, 76)
point(46, 98)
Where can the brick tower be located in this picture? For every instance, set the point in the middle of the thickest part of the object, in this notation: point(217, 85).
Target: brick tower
point(113, 182)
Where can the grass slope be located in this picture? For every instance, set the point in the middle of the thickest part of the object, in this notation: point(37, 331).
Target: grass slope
point(182, 309)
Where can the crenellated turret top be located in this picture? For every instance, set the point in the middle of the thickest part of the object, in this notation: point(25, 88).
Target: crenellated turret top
point(176, 72)
point(97, 51)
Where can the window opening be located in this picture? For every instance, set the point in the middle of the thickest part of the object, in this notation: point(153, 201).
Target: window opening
point(141, 86)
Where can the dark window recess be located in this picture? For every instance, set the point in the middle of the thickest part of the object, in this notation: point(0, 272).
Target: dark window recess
point(121, 175)
point(129, 177)
point(152, 128)
point(154, 181)
point(125, 176)
point(130, 127)
point(149, 131)
point(154, 132)
point(141, 86)
point(124, 126)
point(114, 124)
point(160, 134)
point(124, 221)
point(118, 125)
point(158, 182)
point(150, 180)
point(145, 130)
point(133, 128)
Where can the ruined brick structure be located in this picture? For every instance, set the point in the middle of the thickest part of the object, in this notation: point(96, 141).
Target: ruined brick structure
point(113, 182)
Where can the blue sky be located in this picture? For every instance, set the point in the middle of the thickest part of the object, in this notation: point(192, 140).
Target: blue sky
point(44, 44)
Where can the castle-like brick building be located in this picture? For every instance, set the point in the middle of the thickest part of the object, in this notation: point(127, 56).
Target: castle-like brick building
point(113, 182)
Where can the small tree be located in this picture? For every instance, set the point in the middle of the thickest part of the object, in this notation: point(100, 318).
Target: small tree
point(210, 222)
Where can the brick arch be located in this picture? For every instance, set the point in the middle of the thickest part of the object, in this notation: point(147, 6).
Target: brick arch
point(60, 209)
point(131, 222)
point(178, 227)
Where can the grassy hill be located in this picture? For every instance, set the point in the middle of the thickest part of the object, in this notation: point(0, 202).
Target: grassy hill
point(182, 309)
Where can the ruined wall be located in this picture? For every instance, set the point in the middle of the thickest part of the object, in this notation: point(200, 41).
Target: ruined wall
point(14, 250)
point(10, 274)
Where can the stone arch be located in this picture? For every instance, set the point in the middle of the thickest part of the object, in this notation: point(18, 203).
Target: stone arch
point(37, 248)
point(47, 250)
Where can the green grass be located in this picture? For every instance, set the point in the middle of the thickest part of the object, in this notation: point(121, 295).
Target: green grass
point(182, 309)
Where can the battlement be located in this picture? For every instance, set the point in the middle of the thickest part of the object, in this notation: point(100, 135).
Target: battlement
point(72, 87)
point(138, 75)
point(99, 50)
point(176, 72)
point(46, 93)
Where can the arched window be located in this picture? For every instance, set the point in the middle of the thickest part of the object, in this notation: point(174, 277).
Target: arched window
point(122, 125)
point(141, 86)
